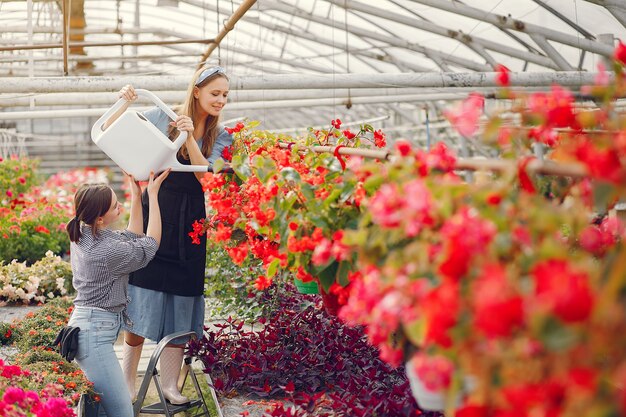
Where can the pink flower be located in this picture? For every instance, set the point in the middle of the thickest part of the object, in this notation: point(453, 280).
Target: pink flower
point(465, 118)
point(13, 395)
point(387, 206)
point(435, 372)
point(322, 252)
point(602, 78)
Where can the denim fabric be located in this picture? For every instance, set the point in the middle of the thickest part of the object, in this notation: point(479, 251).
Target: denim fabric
point(98, 331)
point(156, 314)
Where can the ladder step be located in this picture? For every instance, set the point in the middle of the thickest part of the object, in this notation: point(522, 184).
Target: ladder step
point(157, 408)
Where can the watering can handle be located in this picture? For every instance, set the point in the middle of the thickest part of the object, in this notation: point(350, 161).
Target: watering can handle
point(183, 133)
point(96, 130)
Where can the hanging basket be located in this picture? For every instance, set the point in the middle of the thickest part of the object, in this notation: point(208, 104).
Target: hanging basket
point(310, 287)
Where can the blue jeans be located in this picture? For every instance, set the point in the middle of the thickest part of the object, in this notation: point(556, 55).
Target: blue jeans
point(98, 332)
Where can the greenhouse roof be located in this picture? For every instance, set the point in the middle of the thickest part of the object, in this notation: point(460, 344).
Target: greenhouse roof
point(139, 40)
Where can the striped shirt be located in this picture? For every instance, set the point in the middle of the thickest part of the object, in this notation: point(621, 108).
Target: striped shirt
point(101, 266)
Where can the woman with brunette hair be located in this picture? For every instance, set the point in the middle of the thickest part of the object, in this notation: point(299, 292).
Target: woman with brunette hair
point(101, 260)
point(167, 296)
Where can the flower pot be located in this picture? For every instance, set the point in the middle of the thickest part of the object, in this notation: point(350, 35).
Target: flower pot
point(310, 287)
point(426, 400)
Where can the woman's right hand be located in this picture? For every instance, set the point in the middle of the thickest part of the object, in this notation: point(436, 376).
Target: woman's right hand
point(154, 184)
point(128, 93)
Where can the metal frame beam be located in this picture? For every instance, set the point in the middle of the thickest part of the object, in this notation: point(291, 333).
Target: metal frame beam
point(477, 44)
point(390, 40)
point(518, 25)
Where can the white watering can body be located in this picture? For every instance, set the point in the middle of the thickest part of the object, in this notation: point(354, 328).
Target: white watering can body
point(138, 146)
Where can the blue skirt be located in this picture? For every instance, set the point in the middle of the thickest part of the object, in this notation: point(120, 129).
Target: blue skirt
point(156, 314)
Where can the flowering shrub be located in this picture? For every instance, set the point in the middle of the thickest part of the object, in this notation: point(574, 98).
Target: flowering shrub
point(299, 353)
point(231, 288)
point(41, 328)
point(62, 186)
point(6, 334)
point(48, 367)
point(17, 175)
point(15, 400)
point(33, 220)
point(39, 369)
point(490, 282)
point(31, 228)
point(45, 279)
point(309, 192)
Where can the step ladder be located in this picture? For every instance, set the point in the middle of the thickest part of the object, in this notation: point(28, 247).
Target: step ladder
point(164, 407)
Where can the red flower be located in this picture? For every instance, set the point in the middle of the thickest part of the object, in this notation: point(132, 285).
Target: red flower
point(494, 199)
point(620, 53)
point(564, 290)
point(227, 153)
point(42, 229)
point(498, 309)
point(403, 147)
point(380, 140)
point(262, 282)
point(524, 179)
point(336, 123)
point(349, 135)
point(502, 78)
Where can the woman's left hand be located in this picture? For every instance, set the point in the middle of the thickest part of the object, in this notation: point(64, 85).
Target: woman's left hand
point(184, 123)
point(135, 188)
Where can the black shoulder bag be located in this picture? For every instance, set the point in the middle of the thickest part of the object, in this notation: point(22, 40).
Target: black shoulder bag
point(68, 341)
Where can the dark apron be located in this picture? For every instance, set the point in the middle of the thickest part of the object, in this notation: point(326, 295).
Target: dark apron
point(179, 265)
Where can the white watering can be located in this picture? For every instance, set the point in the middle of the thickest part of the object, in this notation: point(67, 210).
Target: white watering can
point(136, 145)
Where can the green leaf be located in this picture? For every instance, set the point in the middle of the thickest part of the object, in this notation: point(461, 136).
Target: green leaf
point(327, 275)
point(342, 274)
point(241, 168)
point(307, 191)
point(273, 267)
point(290, 174)
point(218, 165)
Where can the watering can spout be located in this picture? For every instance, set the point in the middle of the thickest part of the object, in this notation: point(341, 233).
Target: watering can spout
point(136, 145)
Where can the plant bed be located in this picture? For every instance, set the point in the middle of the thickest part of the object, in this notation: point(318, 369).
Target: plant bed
point(307, 357)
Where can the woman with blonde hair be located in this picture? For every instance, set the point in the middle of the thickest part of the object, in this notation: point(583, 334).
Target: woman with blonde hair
point(167, 295)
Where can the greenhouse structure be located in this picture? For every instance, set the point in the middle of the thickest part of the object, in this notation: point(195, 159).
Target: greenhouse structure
point(313, 208)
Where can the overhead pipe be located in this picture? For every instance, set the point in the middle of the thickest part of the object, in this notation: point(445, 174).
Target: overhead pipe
point(228, 26)
point(70, 99)
point(251, 105)
point(100, 44)
point(25, 85)
point(574, 170)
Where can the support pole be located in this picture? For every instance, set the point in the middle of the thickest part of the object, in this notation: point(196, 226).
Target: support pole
point(64, 44)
